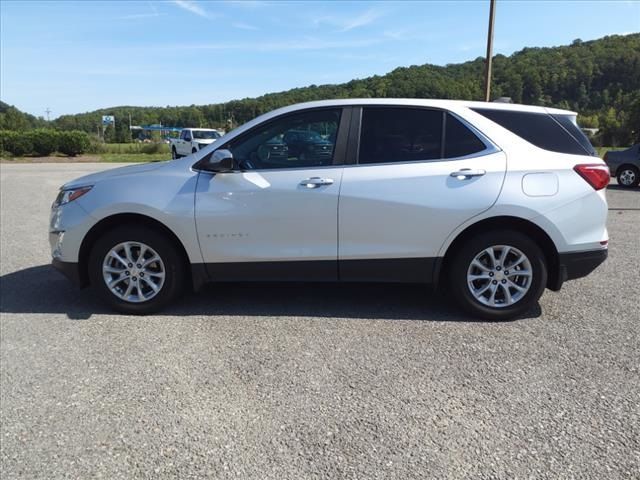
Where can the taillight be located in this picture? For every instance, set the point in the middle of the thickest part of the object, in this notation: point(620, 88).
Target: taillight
point(595, 174)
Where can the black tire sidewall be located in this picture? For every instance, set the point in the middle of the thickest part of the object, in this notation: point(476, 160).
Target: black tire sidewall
point(463, 257)
point(173, 264)
point(635, 183)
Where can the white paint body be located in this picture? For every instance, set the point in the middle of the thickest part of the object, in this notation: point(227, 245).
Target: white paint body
point(399, 210)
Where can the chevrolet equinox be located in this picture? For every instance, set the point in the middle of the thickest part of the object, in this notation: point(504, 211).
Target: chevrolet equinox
point(490, 202)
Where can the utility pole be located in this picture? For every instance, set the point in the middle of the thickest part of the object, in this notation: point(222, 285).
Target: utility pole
point(47, 111)
point(487, 73)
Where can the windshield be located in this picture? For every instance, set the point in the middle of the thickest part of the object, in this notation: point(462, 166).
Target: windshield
point(206, 134)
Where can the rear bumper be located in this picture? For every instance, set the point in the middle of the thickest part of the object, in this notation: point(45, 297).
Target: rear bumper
point(71, 270)
point(577, 265)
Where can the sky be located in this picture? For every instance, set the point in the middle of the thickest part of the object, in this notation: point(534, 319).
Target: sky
point(73, 57)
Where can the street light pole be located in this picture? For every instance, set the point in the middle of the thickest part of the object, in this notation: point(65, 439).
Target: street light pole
point(487, 73)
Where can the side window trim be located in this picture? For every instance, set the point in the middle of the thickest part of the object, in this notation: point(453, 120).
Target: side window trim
point(443, 138)
point(342, 138)
point(353, 145)
point(355, 137)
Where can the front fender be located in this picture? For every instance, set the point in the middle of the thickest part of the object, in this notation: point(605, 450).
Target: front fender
point(166, 197)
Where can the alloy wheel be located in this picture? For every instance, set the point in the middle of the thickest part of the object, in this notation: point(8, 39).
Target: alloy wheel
point(133, 272)
point(499, 276)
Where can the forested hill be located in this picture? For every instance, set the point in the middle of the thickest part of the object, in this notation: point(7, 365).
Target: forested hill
point(599, 78)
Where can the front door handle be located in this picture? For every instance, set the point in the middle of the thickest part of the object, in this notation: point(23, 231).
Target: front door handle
point(315, 182)
point(467, 173)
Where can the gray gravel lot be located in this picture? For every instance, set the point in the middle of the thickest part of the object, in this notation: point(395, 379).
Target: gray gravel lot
point(311, 381)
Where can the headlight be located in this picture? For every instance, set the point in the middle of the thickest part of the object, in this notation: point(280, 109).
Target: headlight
point(66, 196)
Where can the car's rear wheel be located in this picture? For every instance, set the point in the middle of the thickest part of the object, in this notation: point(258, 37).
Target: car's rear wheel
point(498, 275)
point(628, 176)
point(194, 150)
point(136, 269)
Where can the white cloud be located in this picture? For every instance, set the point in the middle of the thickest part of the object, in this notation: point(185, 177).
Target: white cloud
point(244, 26)
point(361, 20)
point(248, 4)
point(294, 45)
point(154, 13)
point(191, 6)
point(346, 24)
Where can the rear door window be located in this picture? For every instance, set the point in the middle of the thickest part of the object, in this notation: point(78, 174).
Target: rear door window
point(540, 129)
point(397, 134)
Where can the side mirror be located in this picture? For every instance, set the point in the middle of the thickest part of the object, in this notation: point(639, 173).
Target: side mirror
point(222, 161)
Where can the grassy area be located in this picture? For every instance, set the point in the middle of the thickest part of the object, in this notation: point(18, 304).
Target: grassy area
point(133, 148)
point(602, 150)
point(132, 157)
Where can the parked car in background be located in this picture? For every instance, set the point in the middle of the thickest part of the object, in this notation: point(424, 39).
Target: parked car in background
point(416, 191)
point(625, 165)
point(308, 146)
point(191, 140)
point(273, 151)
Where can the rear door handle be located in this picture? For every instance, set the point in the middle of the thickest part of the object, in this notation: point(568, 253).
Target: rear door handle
point(315, 182)
point(467, 173)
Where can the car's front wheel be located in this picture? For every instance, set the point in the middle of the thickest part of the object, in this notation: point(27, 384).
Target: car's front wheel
point(174, 153)
point(498, 275)
point(628, 176)
point(136, 270)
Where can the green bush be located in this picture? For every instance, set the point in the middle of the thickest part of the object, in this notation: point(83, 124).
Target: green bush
point(44, 142)
point(74, 142)
point(150, 148)
point(16, 143)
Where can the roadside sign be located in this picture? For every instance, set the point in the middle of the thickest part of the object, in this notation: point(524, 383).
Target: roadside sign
point(108, 120)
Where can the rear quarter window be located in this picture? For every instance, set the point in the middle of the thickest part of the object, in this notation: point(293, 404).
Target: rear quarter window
point(459, 140)
point(570, 125)
point(539, 129)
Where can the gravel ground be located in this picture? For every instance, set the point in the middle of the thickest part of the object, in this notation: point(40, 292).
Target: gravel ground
point(311, 381)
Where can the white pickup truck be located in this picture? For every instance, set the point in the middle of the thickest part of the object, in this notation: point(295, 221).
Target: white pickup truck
point(191, 140)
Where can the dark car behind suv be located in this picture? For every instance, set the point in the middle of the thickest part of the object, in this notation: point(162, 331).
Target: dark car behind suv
point(625, 165)
point(308, 146)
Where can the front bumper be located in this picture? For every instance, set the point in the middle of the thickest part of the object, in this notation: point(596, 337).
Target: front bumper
point(71, 270)
point(574, 265)
point(68, 226)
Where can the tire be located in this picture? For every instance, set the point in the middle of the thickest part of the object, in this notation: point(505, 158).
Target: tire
point(142, 298)
point(174, 154)
point(523, 290)
point(193, 150)
point(628, 176)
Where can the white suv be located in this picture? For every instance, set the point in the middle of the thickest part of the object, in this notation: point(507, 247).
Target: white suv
point(492, 202)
